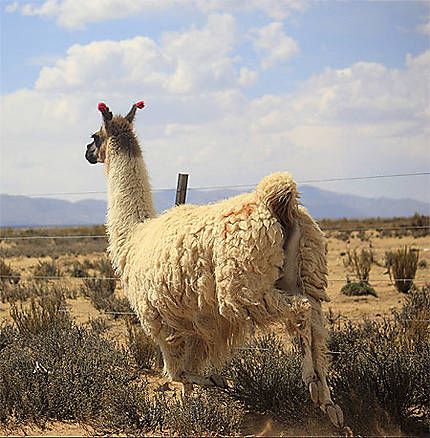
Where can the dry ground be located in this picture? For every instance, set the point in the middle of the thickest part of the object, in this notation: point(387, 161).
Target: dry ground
point(346, 307)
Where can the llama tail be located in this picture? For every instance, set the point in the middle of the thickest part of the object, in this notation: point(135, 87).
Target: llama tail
point(279, 192)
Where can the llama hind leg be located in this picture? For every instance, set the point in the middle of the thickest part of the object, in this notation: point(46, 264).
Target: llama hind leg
point(315, 363)
point(305, 318)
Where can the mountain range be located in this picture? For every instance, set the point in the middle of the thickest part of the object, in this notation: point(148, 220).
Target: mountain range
point(22, 211)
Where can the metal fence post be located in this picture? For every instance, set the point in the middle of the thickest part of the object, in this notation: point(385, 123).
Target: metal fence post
point(181, 189)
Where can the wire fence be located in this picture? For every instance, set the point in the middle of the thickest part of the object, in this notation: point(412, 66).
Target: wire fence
point(340, 318)
point(64, 277)
point(241, 186)
point(104, 236)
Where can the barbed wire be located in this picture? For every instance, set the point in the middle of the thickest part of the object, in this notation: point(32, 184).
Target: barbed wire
point(100, 236)
point(340, 319)
point(105, 312)
point(65, 277)
point(84, 236)
point(234, 186)
point(418, 227)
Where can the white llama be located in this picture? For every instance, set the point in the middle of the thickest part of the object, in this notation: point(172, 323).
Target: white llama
point(201, 278)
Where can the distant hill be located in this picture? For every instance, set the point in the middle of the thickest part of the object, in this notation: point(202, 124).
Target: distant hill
point(20, 211)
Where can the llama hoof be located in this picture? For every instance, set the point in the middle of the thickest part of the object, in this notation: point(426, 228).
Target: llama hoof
point(313, 390)
point(335, 414)
point(218, 381)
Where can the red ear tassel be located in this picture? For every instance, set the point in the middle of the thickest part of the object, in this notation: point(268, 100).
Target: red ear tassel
point(140, 104)
point(102, 107)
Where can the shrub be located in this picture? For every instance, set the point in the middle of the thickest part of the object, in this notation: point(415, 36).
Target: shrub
point(413, 318)
point(402, 267)
point(267, 380)
point(101, 294)
point(361, 263)
point(22, 292)
point(205, 412)
point(97, 325)
point(420, 221)
point(381, 371)
point(41, 314)
point(358, 289)
point(46, 269)
point(52, 369)
point(141, 346)
point(422, 264)
point(129, 410)
point(99, 290)
point(78, 270)
point(7, 274)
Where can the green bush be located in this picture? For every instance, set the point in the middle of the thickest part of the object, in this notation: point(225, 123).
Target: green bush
point(358, 289)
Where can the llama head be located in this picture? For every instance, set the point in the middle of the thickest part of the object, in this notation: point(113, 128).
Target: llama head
point(121, 128)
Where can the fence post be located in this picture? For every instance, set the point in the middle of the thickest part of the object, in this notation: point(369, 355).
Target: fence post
point(181, 189)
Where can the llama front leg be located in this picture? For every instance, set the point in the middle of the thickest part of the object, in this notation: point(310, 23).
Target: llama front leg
point(214, 380)
point(194, 362)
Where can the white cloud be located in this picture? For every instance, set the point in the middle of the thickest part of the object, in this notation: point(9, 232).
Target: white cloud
point(75, 14)
point(106, 64)
point(183, 62)
point(273, 45)
point(203, 57)
point(425, 27)
point(275, 9)
point(248, 77)
point(12, 7)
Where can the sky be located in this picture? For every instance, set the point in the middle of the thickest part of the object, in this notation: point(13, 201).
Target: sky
point(234, 90)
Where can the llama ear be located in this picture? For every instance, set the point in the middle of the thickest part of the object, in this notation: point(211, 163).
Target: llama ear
point(106, 112)
point(131, 113)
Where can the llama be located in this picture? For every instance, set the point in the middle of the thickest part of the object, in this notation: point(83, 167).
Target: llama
point(202, 278)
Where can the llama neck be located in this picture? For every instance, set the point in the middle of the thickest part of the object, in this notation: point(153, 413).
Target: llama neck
point(129, 201)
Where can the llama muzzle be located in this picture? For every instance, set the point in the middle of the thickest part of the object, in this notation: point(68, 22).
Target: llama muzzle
point(90, 154)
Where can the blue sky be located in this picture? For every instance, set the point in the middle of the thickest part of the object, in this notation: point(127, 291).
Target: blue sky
point(234, 90)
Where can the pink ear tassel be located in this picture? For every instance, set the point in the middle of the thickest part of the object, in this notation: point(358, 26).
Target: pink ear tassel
point(140, 104)
point(102, 107)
